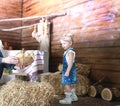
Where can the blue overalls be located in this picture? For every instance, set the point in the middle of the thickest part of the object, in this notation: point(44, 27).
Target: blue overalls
point(72, 78)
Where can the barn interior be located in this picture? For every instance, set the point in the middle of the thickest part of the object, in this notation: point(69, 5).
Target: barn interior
point(96, 29)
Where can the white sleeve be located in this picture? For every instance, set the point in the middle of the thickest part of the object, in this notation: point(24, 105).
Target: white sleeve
point(67, 58)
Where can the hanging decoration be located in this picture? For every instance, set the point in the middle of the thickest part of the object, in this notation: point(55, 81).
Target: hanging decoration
point(41, 33)
point(41, 30)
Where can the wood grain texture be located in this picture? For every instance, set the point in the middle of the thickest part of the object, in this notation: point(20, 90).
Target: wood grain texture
point(95, 25)
point(11, 9)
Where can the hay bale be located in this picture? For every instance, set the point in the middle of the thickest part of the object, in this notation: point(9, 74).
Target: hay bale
point(21, 93)
point(60, 67)
point(55, 80)
point(82, 86)
point(44, 77)
point(82, 69)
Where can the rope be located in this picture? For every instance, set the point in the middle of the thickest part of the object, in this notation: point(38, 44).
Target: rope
point(27, 18)
point(16, 28)
point(34, 17)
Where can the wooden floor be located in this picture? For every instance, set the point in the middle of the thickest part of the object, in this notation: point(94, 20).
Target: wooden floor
point(89, 101)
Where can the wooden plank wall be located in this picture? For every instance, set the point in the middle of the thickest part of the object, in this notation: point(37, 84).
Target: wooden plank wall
point(36, 8)
point(28, 11)
point(11, 9)
point(95, 25)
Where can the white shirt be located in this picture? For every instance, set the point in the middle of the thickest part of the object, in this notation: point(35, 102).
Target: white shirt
point(68, 51)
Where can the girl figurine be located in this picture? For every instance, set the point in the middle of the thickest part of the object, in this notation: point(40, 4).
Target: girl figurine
point(69, 75)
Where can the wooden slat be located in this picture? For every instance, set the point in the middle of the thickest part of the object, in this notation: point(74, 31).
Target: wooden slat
point(112, 77)
point(106, 67)
point(11, 9)
point(107, 62)
point(97, 44)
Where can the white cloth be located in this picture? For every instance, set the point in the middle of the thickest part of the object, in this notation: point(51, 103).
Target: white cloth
point(68, 51)
point(37, 67)
point(2, 50)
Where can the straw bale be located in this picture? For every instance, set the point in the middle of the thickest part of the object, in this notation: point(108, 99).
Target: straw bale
point(60, 67)
point(44, 77)
point(82, 69)
point(55, 80)
point(21, 93)
point(82, 86)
